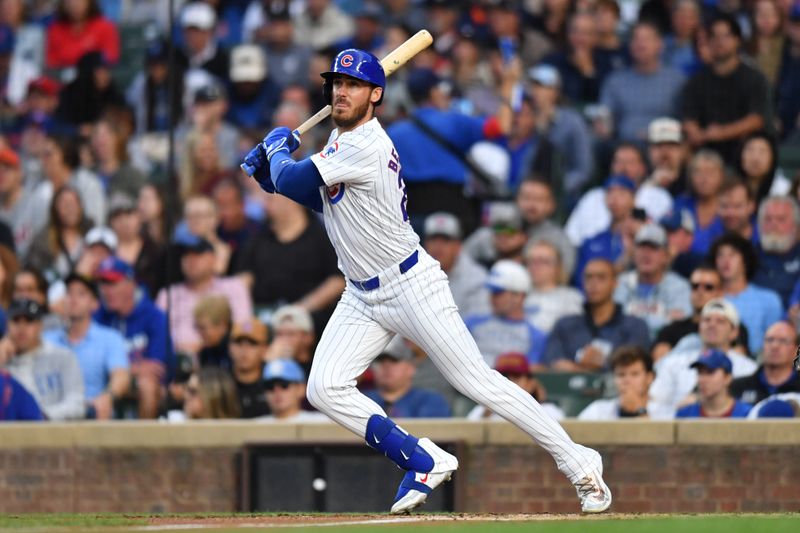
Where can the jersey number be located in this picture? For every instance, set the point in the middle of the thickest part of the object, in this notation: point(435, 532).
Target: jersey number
point(394, 165)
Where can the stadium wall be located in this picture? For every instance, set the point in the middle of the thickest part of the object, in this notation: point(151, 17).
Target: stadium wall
point(142, 467)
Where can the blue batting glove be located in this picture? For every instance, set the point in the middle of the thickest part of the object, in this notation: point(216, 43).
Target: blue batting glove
point(280, 140)
point(256, 166)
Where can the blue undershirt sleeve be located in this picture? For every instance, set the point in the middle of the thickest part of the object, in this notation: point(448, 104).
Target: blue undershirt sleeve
point(298, 180)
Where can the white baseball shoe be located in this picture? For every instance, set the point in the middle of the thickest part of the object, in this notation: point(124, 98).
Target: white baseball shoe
point(594, 494)
point(416, 486)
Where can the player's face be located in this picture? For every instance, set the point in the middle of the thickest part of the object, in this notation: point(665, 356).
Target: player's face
point(351, 101)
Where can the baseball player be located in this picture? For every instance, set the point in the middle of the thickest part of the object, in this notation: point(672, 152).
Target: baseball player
point(394, 286)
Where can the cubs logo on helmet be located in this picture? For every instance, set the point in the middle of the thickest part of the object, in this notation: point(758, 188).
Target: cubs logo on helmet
point(358, 64)
point(346, 60)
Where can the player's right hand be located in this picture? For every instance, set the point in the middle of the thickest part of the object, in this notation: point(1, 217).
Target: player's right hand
point(280, 139)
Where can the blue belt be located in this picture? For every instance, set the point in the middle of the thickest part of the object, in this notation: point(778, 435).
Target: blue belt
point(373, 283)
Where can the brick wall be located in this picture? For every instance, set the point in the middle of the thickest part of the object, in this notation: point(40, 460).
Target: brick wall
point(658, 479)
point(493, 478)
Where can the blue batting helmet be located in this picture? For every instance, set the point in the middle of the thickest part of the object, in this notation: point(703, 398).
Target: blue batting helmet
point(356, 64)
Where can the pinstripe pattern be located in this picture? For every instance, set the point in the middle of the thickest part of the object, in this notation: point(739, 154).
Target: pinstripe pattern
point(370, 236)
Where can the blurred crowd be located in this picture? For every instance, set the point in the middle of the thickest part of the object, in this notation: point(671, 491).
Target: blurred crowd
point(612, 187)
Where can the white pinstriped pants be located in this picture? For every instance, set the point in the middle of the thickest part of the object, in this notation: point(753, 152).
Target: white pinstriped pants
point(419, 306)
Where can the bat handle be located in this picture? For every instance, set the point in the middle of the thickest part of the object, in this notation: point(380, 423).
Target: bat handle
point(249, 170)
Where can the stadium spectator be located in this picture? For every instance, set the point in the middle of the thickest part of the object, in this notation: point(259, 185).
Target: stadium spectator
point(50, 373)
point(582, 66)
point(151, 208)
point(767, 42)
point(591, 215)
point(112, 163)
point(758, 165)
point(607, 17)
point(675, 379)
point(368, 31)
point(706, 176)
point(778, 406)
point(650, 291)
point(9, 266)
point(679, 226)
point(134, 244)
point(210, 393)
point(248, 342)
point(61, 166)
point(434, 170)
point(395, 392)
point(80, 27)
point(613, 243)
point(536, 204)
point(565, 128)
point(467, 278)
point(56, 249)
point(255, 94)
point(680, 36)
point(101, 351)
point(289, 59)
point(776, 374)
point(706, 285)
point(198, 265)
point(647, 90)
point(155, 105)
point(507, 328)
point(758, 307)
point(293, 336)
point(788, 105)
point(291, 260)
point(92, 93)
point(728, 99)
point(737, 207)
point(667, 154)
point(584, 342)
point(515, 367)
point(213, 323)
point(206, 116)
point(322, 24)
point(529, 151)
point(17, 404)
point(713, 389)
point(508, 234)
point(30, 284)
point(633, 375)
point(201, 168)
point(549, 299)
point(199, 22)
point(285, 383)
point(201, 218)
point(235, 226)
point(778, 248)
point(18, 205)
point(127, 309)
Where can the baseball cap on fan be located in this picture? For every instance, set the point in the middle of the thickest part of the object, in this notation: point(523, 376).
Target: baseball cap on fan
point(442, 225)
point(651, 234)
point(664, 130)
point(719, 306)
point(507, 275)
point(284, 369)
point(545, 75)
point(505, 217)
point(713, 359)
point(198, 15)
point(248, 64)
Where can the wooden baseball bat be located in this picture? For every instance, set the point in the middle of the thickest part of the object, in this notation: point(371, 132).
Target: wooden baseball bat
point(393, 61)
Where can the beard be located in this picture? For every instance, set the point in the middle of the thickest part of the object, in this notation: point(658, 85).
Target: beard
point(357, 113)
point(776, 243)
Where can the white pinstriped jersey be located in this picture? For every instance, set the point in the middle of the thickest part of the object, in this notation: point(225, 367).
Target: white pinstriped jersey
point(364, 201)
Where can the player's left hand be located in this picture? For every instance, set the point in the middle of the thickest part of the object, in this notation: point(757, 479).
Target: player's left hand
point(280, 139)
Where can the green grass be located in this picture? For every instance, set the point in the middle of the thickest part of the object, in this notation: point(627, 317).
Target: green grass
point(96, 523)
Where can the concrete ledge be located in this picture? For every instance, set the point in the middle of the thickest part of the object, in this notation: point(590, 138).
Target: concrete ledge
point(739, 432)
point(235, 433)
